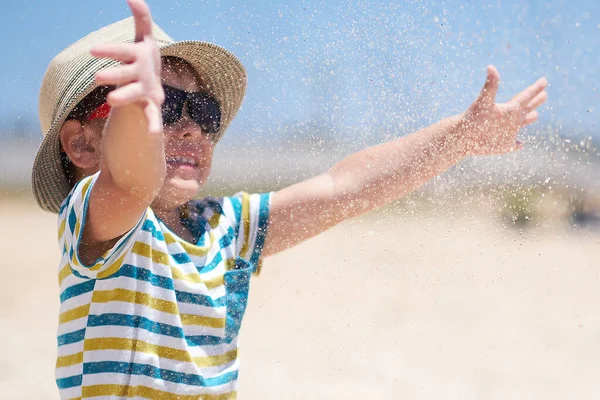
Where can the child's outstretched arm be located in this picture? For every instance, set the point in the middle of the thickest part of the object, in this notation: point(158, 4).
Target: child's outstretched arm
point(378, 175)
point(133, 162)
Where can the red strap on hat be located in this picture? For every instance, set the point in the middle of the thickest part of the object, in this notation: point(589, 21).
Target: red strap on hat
point(100, 112)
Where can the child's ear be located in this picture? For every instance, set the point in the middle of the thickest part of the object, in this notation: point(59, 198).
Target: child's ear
point(81, 144)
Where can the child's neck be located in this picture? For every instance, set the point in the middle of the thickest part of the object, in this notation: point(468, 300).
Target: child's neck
point(172, 218)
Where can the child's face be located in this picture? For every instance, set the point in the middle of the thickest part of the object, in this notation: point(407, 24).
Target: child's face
point(188, 150)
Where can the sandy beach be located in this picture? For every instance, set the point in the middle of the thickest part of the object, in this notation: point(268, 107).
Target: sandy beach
point(389, 306)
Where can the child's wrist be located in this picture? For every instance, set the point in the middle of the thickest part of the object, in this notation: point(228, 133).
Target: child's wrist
point(460, 136)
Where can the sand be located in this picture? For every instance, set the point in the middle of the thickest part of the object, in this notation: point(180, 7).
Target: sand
point(383, 307)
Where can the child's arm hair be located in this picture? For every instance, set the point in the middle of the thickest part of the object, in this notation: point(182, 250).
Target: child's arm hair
point(381, 174)
point(133, 163)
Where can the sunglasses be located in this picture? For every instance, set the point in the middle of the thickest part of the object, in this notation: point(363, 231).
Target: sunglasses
point(202, 108)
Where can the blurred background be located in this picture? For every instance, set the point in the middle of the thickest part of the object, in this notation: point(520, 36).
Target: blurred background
point(484, 284)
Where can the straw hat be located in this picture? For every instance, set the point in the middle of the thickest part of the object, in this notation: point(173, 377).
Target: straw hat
point(70, 77)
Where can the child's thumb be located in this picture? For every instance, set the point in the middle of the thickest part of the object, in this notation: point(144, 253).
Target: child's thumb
point(488, 94)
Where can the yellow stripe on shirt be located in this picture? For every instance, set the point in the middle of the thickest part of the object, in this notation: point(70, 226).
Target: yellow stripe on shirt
point(230, 264)
point(85, 188)
point(76, 233)
point(195, 277)
point(192, 319)
point(74, 314)
point(191, 249)
point(112, 268)
point(147, 393)
point(246, 221)
point(213, 361)
point(61, 228)
point(64, 272)
point(114, 343)
point(198, 251)
point(129, 296)
point(145, 250)
point(67, 361)
point(215, 282)
point(214, 220)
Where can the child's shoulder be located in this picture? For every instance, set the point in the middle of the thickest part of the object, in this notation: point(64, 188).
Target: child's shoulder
point(78, 193)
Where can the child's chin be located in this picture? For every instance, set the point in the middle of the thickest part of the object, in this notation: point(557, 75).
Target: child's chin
point(179, 191)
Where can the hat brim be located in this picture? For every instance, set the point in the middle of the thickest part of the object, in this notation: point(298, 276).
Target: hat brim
point(222, 72)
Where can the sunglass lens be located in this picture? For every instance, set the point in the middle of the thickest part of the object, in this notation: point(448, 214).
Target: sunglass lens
point(205, 110)
point(172, 107)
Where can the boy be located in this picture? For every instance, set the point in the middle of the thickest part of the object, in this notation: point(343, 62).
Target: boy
point(154, 283)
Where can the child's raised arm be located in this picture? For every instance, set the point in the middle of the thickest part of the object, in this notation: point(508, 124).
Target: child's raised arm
point(133, 162)
point(381, 174)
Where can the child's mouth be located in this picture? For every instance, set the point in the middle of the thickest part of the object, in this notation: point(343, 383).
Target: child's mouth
point(182, 161)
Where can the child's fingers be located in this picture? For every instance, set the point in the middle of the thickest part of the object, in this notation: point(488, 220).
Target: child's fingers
point(120, 75)
point(124, 52)
point(125, 95)
point(537, 101)
point(528, 94)
point(530, 118)
point(142, 17)
point(154, 118)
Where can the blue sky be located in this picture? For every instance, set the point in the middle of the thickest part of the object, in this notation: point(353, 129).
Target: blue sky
point(368, 66)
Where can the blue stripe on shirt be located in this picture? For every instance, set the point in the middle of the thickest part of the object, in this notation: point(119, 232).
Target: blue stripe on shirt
point(164, 282)
point(135, 321)
point(72, 220)
point(145, 275)
point(212, 265)
point(236, 204)
point(205, 340)
point(200, 299)
point(76, 290)
point(77, 274)
point(64, 204)
point(263, 220)
point(181, 258)
point(227, 239)
point(150, 227)
point(157, 373)
point(72, 337)
point(71, 381)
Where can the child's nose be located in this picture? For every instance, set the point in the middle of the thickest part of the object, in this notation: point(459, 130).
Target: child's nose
point(186, 127)
point(188, 130)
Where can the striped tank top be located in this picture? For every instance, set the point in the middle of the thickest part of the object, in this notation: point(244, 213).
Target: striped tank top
point(155, 316)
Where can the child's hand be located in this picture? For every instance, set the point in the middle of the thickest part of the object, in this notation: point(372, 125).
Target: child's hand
point(138, 79)
point(492, 128)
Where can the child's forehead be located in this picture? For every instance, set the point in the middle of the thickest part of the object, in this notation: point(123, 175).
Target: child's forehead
point(181, 75)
